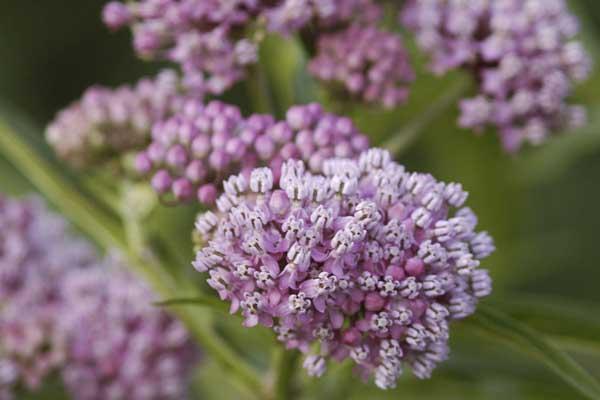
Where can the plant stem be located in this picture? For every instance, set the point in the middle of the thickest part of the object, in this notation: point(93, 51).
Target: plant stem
point(108, 234)
point(285, 366)
point(260, 93)
point(403, 139)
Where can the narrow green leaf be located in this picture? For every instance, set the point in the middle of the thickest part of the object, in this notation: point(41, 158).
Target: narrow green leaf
point(503, 327)
point(204, 301)
point(570, 325)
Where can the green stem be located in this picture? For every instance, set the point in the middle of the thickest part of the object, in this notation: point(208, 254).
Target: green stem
point(403, 139)
point(259, 91)
point(108, 234)
point(285, 365)
point(345, 385)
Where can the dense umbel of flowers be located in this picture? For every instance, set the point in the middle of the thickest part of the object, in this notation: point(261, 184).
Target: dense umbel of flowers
point(214, 41)
point(36, 253)
point(107, 121)
point(368, 63)
point(61, 310)
point(195, 150)
point(523, 55)
point(366, 261)
point(120, 346)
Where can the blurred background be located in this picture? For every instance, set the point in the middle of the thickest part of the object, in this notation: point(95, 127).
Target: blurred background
point(541, 205)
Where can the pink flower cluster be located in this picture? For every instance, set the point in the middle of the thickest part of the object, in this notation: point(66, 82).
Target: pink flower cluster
point(289, 16)
point(119, 346)
point(522, 54)
point(63, 311)
point(33, 264)
point(107, 121)
point(366, 261)
point(195, 150)
point(215, 41)
point(368, 63)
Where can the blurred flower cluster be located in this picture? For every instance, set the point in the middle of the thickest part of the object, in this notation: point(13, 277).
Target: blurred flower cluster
point(522, 54)
point(213, 40)
point(65, 311)
point(370, 64)
point(107, 122)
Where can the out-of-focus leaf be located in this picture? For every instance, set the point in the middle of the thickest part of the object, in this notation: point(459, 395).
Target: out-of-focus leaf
point(503, 327)
point(204, 301)
point(473, 382)
point(212, 382)
point(254, 344)
point(284, 62)
point(571, 325)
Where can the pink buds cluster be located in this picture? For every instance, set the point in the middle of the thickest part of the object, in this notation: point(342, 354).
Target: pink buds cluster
point(195, 150)
point(368, 63)
point(108, 122)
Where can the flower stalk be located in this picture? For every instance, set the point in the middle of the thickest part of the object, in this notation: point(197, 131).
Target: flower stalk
point(285, 365)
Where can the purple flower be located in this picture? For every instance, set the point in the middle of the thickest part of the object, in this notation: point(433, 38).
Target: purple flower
point(522, 54)
point(366, 259)
point(213, 40)
point(370, 64)
point(118, 344)
point(195, 150)
point(202, 36)
point(289, 16)
point(65, 311)
point(115, 15)
point(108, 122)
point(34, 261)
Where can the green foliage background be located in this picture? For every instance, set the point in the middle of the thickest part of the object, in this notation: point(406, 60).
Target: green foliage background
point(541, 205)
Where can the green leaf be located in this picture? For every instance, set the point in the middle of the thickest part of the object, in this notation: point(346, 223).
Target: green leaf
point(571, 325)
point(503, 327)
point(204, 301)
point(284, 63)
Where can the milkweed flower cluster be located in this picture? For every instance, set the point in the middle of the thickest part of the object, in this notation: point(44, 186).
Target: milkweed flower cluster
point(107, 121)
point(195, 150)
point(524, 57)
point(34, 261)
point(64, 311)
point(215, 41)
point(366, 261)
point(368, 63)
point(293, 15)
point(119, 345)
